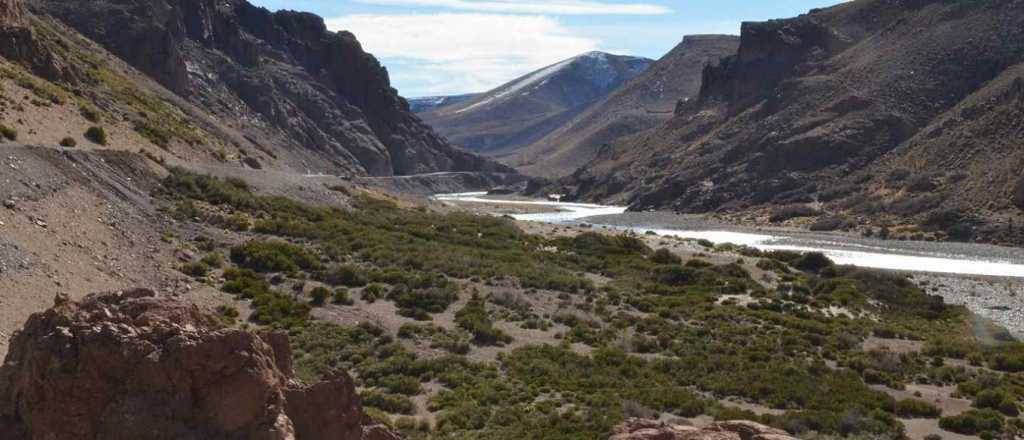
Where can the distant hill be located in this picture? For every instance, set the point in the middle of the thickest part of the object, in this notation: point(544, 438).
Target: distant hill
point(641, 103)
point(515, 115)
point(427, 103)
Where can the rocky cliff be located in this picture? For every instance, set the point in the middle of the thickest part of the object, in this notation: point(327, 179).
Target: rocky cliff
point(301, 94)
point(12, 13)
point(132, 365)
point(887, 112)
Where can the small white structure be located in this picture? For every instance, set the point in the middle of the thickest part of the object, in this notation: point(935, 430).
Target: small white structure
point(555, 197)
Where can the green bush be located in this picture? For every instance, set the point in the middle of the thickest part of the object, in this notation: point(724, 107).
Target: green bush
point(318, 296)
point(269, 306)
point(68, 142)
point(973, 422)
point(419, 303)
point(8, 133)
point(914, 409)
point(665, 256)
point(388, 402)
point(344, 275)
point(272, 256)
point(213, 260)
point(474, 319)
point(372, 293)
point(196, 269)
point(341, 298)
point(97, 135)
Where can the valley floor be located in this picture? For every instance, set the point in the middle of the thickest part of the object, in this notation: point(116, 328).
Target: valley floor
point(458, 324)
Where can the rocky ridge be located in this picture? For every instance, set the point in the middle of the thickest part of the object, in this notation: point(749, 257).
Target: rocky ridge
point(270, 89)
point(132, 364)
point(888, 113)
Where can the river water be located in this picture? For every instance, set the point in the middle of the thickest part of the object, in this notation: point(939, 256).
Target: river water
point(962, 259)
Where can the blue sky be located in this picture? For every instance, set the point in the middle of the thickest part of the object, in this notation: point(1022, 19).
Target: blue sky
point(445, 47)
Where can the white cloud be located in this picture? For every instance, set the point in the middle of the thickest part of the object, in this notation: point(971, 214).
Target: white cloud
point(458, 53)
point(556, 7)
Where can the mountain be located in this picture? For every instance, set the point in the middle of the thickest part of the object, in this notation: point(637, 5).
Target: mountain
point(523, 111)
point(890, 114)
point(216, 81)
point(641, 103)
point(428, 103)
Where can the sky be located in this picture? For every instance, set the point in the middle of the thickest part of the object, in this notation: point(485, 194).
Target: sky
point(450, 47)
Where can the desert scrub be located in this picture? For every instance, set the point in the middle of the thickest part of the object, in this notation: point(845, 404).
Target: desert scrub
point(273, 256)
point(474, 319)
point(318, 296)
point(97, 135)
point(68, 142)
point(341, 298)
point(269, 306)
point(420, 302)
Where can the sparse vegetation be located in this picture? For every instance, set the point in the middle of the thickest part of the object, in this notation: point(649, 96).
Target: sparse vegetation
point(779, 349)
point(96, 135)
point(68, 142)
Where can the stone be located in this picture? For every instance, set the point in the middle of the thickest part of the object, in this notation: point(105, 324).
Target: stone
point(133, 364)
point(647, 429)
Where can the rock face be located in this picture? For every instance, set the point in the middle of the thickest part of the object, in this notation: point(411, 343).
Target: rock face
point(131, 365)
point(514, 115)
point(304, 94)
point(12, 13)
point(824, 106)
point(644, 429)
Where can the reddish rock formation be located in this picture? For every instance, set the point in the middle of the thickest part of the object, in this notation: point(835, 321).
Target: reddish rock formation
point(645, 429)
point(133, 365)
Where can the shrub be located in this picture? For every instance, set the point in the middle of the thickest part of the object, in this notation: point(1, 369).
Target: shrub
point(912, 408)
point(665, 256)
point(272, 256)
point(228, 314)
point(784, 213)
point(213, 259)
point(419, 303)
point(341, 298)
point(344, 275)
point(197, 269)
point(68, 142)
point(97, 135)
point(8, 133)
point(813, 262)
point(474, 319)
point(372, 293)
point(388, 402)
point(90, 114)
point(920, 184)
point(973, 422)
point(318, 296)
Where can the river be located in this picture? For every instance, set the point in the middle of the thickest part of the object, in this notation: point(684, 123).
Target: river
point(926, 257)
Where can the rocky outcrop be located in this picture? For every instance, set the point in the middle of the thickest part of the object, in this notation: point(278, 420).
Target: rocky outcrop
point(304, 94)
point(645, 429)
point(12, 13)
point(132, 365)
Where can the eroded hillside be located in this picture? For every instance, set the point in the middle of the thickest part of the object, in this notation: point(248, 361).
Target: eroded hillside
point(875, 115)
point(211, 82)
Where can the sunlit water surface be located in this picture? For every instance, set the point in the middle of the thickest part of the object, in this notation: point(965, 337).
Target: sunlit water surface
point(875, 256)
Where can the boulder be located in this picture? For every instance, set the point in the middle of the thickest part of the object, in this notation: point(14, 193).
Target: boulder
point(132, 365)
point(646, 429)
